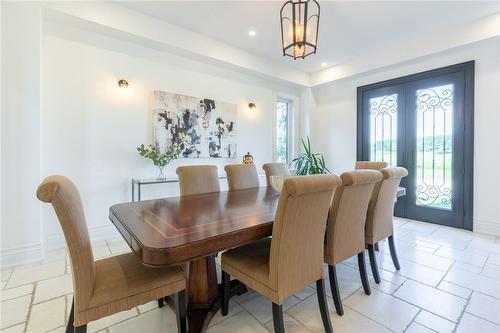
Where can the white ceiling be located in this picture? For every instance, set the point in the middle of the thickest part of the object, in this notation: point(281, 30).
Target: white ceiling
point(348, 29)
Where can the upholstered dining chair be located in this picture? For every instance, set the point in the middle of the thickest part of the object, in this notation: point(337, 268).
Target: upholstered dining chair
point(241, 176)
point(379, 224)
point(345, 231)
point(106, 286)
point(197, 179)
point(280, 266)
point(370, 165)
point(275, 169)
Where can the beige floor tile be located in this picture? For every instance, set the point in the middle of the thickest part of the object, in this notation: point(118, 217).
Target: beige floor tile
point(434, 322)
point(29, 274)
point(306, 292)
point(307, 312)
point(469, 256)
point(291, 325)
point(492, 271)
point(234, 308)
point(384, 286)
point(118, 246)
point(391, 277)
point(418, 328)
point(97, 325)
point(494, 259)
point(47, 315)
point(473, 324)
point(156, 321)
point(101, 250)
point(485, 243)
point(61, 329)
point(412, 270)
point(14, 329)
point(467, 267)
point(5, 274)
point(485, 307)
point(16, 292)
point(54, 255)
point(2, 285)
point(14, 311)
point(385, 309)
point(53, 288)
point(474, 282)
point(431, 299)
point(242, 322)
point(148, 306)
point(261, 308)
point(455, 289)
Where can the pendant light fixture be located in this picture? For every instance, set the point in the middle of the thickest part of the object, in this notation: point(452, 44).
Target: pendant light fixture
point(299, 28)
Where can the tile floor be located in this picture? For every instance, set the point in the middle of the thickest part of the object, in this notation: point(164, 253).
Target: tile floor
point(449, 282)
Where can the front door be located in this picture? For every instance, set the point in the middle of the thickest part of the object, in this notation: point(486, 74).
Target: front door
point(423, 122)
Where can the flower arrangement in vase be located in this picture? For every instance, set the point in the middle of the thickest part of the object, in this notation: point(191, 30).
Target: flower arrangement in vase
point(159, 160)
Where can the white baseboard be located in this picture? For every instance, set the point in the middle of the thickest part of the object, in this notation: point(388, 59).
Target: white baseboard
point(57, 241)
point(21, 255)
point(486, 227)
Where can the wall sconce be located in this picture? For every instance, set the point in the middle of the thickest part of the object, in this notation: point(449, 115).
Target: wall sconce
point(252, 106)
point(123, 83)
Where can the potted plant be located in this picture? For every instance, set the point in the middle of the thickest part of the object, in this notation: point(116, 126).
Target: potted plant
point(159, 160)
point(309, 163)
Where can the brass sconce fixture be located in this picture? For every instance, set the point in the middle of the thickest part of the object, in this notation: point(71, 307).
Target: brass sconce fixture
point(252, 106)
point(123, 83)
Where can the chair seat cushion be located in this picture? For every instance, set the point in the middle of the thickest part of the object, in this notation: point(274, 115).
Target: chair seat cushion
point(122, 282)
point(250, 264)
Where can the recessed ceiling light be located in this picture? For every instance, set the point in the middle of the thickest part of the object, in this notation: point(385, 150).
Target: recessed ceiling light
point(324, 64)
point(252, 33)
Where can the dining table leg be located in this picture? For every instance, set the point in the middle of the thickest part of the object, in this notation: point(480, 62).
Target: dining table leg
point(203, 293)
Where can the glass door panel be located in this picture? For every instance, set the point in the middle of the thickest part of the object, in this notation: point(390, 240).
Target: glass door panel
point(434, 146)
point(383, 128)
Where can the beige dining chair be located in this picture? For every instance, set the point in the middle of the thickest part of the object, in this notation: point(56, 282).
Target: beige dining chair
point(275, 169)
point(241, 176)
point(197, 179)
point(379, 223)
point(370, 165)
point(345, 231)
point(107, 286)
point(292, 258)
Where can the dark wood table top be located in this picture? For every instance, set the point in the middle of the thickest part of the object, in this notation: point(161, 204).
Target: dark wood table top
point(174, 230)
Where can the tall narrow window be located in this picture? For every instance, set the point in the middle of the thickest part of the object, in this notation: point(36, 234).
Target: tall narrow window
point(282, 131)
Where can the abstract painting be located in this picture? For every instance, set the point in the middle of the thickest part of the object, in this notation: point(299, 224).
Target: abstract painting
point(201, 127)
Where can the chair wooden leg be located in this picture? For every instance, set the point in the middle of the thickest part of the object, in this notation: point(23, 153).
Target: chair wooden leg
point(180, 304)
point(279, 325)
point(323, 305)
point(334, 285)
point(161, 302)
point(373, 263)
point(226, 289)
point(394, 254)
point(70, 328)
point(362, 273)
point(81, 329)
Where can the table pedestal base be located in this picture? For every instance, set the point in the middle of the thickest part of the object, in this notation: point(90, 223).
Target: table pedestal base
point(204, 296)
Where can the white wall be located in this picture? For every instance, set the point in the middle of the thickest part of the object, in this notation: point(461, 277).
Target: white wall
point(90, 129)
point(21, 236)
point(333, 122)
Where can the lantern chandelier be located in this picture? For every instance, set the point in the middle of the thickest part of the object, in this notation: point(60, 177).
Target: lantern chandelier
point(299, 28)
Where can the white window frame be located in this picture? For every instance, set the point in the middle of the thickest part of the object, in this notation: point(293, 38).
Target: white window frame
point(293, 128)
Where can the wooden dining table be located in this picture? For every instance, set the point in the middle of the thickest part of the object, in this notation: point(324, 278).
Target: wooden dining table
point(191, 230)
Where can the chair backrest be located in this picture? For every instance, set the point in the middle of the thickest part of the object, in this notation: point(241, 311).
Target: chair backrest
point(275, 169)
point(370, 165)
point(66, 201)
point(381, 208)
point(241, 176)
point(345, 234)
point(297, 244)
point(197, 179)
